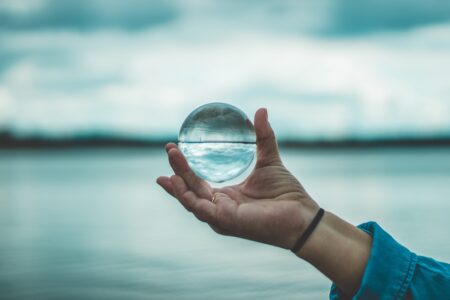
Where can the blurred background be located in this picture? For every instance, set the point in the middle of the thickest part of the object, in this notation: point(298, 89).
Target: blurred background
point(358, 93)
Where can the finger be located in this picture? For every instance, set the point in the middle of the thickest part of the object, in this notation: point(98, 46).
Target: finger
point(170, 146)
point(220, 230)
point(220, 197)
point(202, 208)
point(267, 148)
point(226, 211)
point(233, 193)
point(180, 167)
point(179, 188)
point(166, 184)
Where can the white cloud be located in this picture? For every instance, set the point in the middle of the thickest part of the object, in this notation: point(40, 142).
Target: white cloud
point(145, 83)
point(6, 107)
point(21, 7)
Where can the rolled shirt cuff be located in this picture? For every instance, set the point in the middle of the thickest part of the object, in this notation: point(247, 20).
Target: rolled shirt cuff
point(389, 270)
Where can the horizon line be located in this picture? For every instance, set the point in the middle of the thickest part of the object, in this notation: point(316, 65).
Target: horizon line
point(8, 141)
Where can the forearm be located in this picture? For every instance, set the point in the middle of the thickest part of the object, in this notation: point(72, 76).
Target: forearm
point(339, 250)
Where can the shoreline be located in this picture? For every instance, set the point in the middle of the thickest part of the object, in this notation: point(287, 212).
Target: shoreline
point(12, 143)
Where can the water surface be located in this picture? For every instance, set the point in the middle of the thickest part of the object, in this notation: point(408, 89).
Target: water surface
point(218, 161)
point(93, 224)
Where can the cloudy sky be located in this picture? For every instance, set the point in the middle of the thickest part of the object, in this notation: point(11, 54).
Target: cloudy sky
point(324, 69)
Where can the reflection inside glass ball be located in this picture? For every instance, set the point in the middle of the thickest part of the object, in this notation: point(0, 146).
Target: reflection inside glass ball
point(218, 141)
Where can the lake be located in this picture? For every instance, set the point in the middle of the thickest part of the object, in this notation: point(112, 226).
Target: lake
point(92, 224)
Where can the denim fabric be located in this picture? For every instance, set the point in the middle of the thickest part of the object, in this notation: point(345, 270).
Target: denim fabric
point(394, 272)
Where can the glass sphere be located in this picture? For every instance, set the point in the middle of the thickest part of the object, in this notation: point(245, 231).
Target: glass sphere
point(218, 141)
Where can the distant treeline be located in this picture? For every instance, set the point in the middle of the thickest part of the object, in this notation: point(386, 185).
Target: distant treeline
point(9, 141)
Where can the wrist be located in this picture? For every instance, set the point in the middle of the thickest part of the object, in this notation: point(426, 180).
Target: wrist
point(339, 250)
point(304, 214)
point(318, 238)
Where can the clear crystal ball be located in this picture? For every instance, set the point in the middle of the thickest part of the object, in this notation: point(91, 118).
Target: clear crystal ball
point(218, 141)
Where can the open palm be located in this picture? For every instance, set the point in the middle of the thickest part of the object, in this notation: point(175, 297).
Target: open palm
point(269, 206)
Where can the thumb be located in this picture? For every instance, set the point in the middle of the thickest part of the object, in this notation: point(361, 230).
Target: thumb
point(267, 148)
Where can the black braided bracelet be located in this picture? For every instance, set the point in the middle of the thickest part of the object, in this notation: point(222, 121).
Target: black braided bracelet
point(302, 239)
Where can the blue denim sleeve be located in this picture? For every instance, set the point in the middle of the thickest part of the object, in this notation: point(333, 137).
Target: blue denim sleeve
point(394, 272)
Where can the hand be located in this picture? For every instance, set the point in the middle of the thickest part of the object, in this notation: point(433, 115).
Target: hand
point(270, 206)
